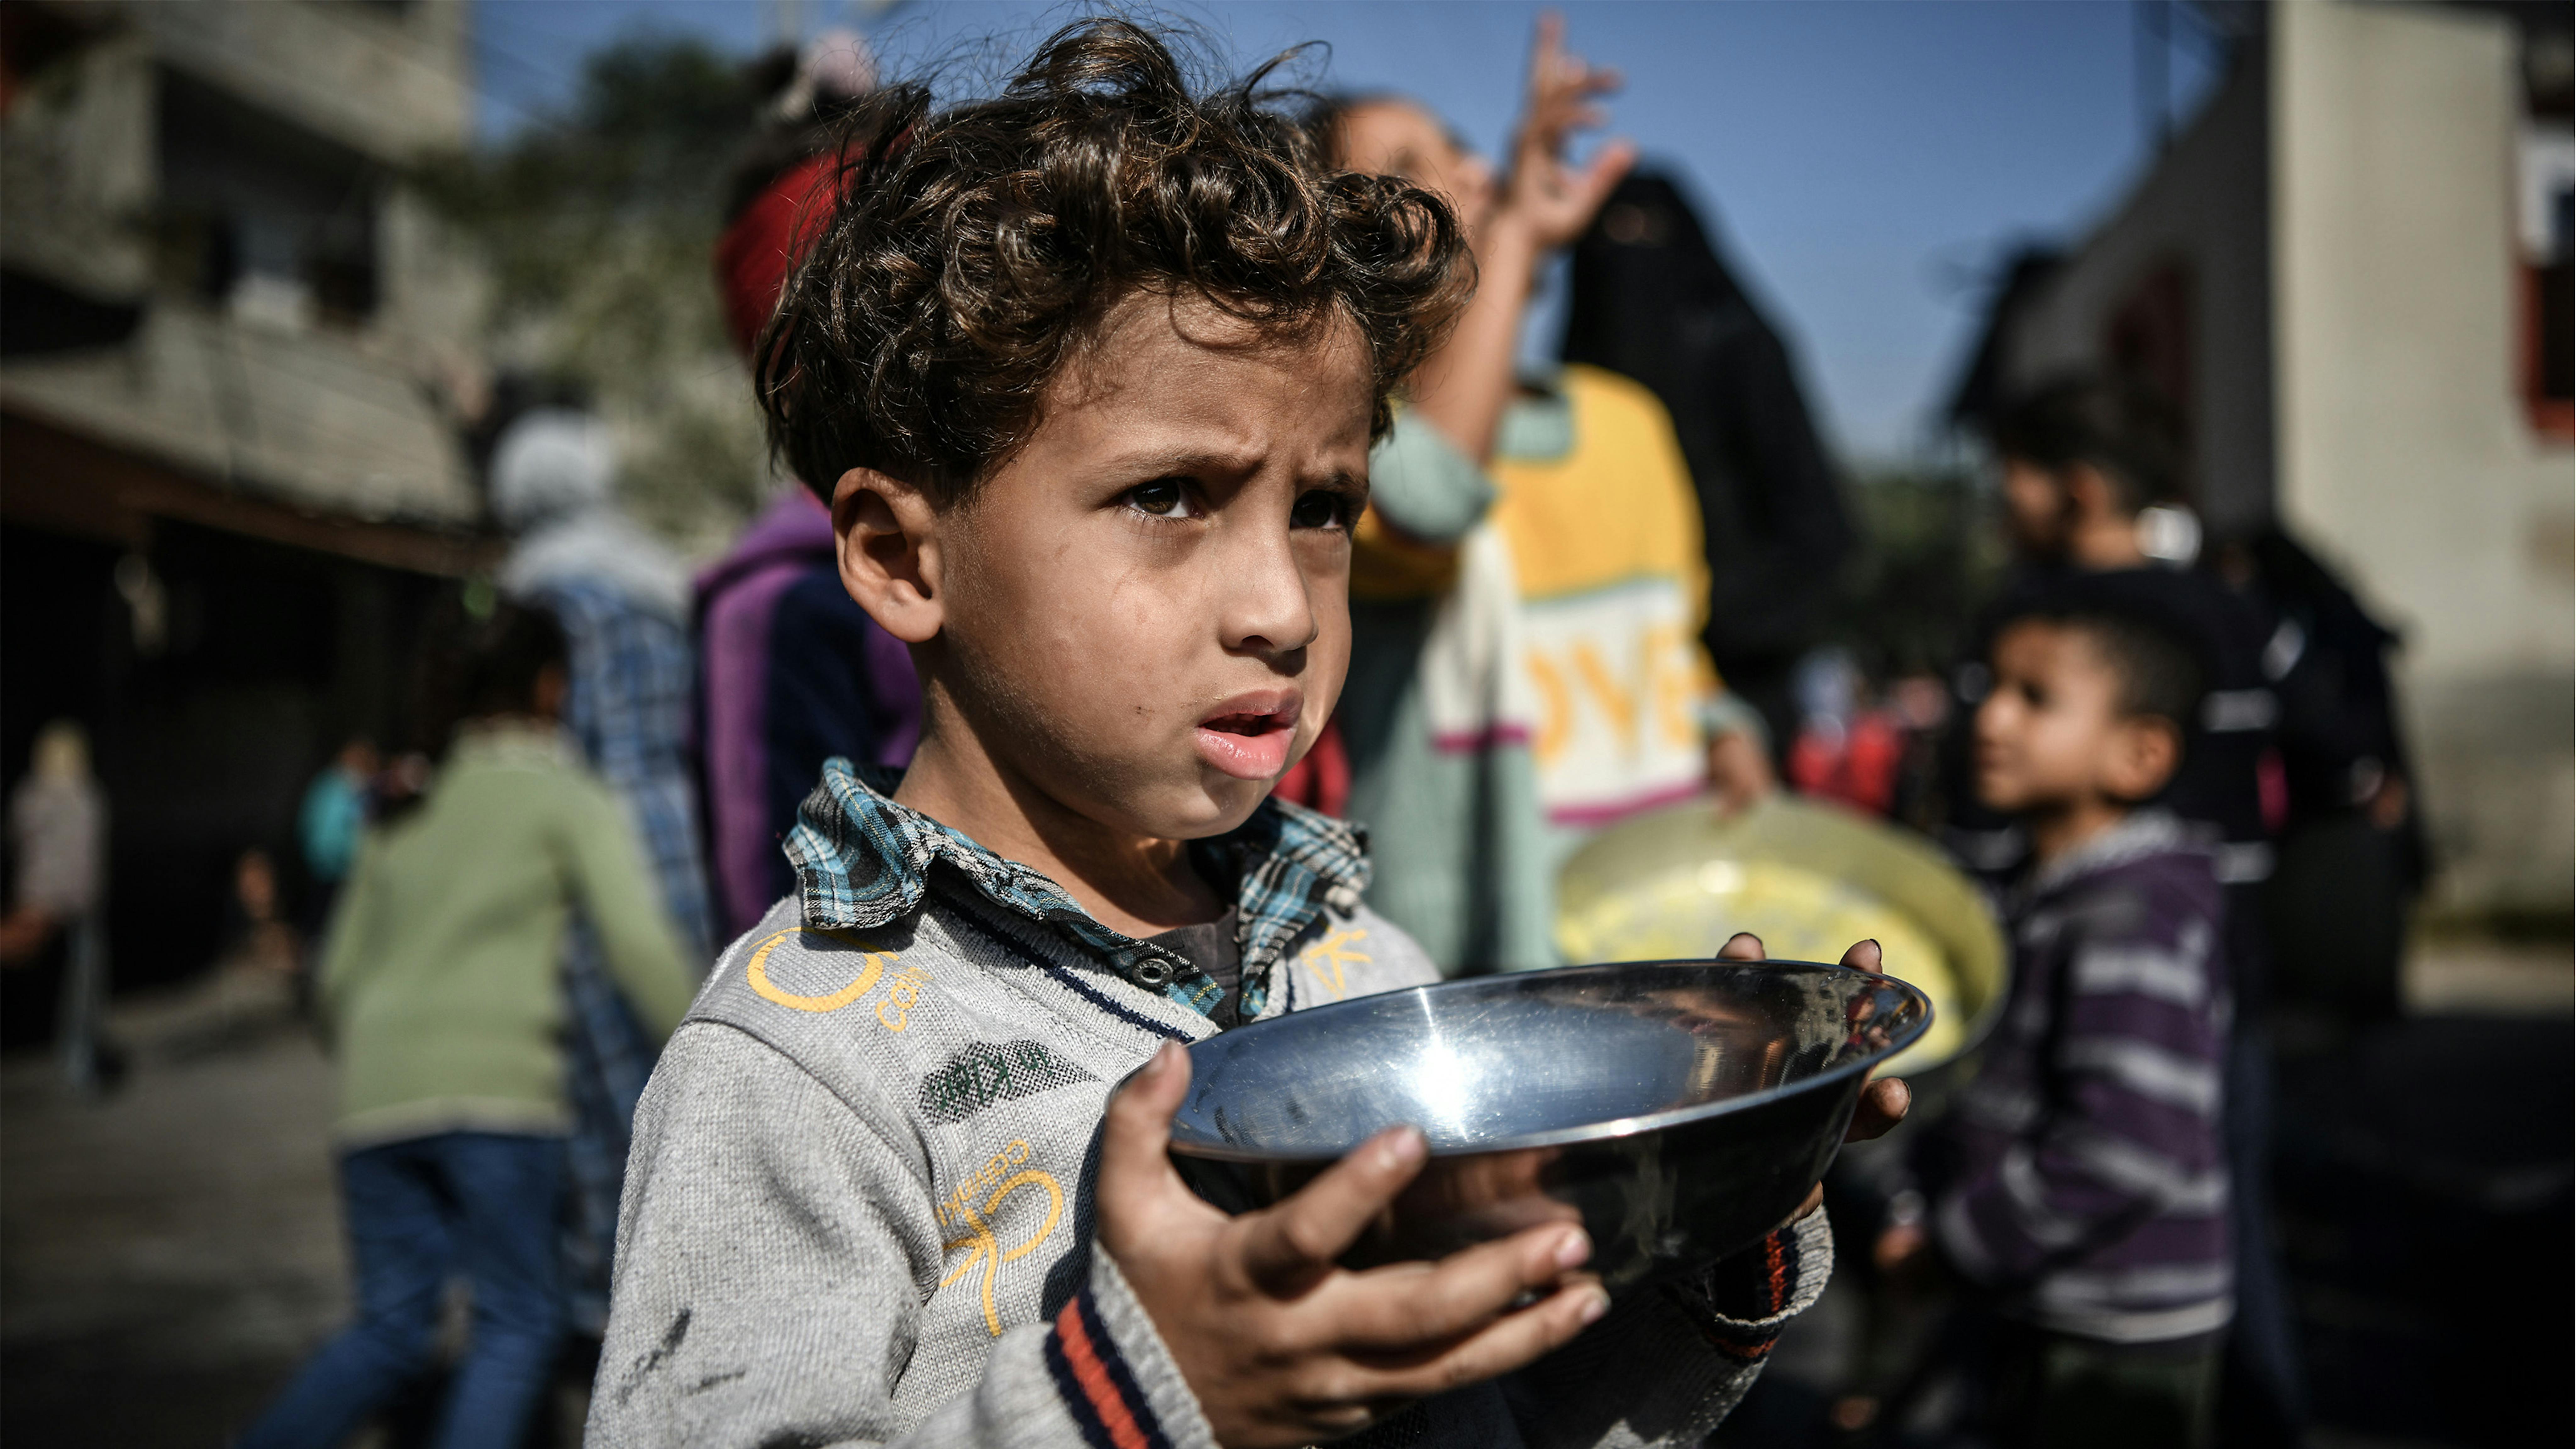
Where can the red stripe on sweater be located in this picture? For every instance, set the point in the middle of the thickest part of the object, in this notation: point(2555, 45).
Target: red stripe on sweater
point(1088, 1371)
point(1779, 1264)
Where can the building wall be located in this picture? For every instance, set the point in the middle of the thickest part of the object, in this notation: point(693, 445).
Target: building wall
point(389, 80)
point(2405, 454)
point(231, 485)
point(2200, 212)
point(173, 122)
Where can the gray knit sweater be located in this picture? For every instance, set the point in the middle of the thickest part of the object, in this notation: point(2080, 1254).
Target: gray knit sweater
point(858, 1210)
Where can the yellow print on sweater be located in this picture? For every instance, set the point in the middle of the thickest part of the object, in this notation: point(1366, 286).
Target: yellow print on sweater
point(982, 1242)
point(1327, 958)
point(1616, 684)
point(901, 997)
point(872, 965)
point(1638, 709)
point(1677, 687)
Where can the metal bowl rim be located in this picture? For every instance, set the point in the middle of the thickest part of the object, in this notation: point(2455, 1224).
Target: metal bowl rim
point(1616, 1127)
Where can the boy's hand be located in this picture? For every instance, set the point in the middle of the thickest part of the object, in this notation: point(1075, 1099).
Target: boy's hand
point(1544, 195)
point(1281, 1346)
point(1883, 1103)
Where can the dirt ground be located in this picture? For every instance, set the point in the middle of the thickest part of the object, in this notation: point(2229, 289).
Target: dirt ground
point(168, 1251)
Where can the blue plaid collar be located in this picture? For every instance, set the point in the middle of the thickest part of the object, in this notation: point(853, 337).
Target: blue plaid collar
point(862, 860)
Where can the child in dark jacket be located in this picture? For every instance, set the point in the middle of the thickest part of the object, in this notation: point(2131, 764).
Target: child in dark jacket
point(2081, 1184)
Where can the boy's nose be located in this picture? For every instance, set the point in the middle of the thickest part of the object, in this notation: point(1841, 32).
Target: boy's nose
point(1988, 722)
point(1266, 609)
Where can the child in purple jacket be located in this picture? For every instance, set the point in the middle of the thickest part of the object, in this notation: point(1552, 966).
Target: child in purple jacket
point(2081, 1184)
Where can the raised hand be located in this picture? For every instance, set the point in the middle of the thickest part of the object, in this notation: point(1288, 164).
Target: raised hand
point(1544, 195)
point(1280, 1345)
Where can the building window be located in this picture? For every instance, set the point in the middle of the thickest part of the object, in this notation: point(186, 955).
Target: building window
point(261, 217)
point(2548, 216)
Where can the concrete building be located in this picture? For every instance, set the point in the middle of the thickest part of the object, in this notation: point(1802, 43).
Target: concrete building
point(2349, 273)
point(235, 348)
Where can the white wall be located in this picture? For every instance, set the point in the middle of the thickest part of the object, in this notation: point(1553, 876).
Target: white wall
point(2404, 453)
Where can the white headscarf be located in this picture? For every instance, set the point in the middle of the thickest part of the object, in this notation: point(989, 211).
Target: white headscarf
point(553, 485)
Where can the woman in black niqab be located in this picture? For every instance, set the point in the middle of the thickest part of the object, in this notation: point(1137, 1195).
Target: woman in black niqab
point(1651, 300)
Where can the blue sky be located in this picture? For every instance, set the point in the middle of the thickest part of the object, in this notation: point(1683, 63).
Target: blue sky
point(1864, 162)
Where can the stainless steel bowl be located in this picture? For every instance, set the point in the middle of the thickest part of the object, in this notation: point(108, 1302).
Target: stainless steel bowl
point(1678, 1109)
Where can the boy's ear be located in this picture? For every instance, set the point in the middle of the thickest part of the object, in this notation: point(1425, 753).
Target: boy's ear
point(888, 546)
point(2144, 754)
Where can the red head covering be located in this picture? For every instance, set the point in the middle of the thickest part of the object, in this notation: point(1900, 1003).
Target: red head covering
point(764, 244)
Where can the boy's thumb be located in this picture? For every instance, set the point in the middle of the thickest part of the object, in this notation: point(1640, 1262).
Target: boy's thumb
point(1140, 1122)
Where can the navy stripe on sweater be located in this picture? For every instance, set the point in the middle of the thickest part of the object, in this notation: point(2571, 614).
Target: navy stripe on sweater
point(1093, 1379)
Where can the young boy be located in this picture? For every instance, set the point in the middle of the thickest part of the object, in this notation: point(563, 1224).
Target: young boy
point(2082, 1181)
point(2093, 471)
point(1092, 372)
point(443, 989)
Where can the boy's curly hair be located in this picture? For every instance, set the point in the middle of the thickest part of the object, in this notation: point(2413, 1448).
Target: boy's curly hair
point(973, 250)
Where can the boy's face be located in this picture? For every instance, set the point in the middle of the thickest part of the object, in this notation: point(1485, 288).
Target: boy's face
point(1146, 609)
point(2051, 733)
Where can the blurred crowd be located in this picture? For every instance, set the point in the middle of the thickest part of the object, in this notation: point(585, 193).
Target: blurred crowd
point(1583, 592)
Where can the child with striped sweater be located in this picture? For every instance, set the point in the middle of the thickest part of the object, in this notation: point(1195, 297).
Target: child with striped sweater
point(2081, 1185)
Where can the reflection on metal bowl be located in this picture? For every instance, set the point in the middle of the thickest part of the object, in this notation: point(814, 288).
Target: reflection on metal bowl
point(1809, 880)
point(1678, 1110)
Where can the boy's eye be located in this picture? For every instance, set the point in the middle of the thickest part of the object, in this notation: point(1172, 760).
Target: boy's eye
point(1160, 499)
point(1319, 509)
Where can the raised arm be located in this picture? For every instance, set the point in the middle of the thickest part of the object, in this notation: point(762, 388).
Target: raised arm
point(1544, 204)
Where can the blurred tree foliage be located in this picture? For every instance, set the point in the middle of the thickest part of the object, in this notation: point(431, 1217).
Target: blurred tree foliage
point(1932, 553)
point(598, 226)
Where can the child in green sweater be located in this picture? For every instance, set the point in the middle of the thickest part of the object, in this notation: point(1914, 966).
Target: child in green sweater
point(440, 988)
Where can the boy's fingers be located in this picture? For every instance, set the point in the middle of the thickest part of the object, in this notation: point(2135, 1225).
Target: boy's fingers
point(1286, 1246)
point(1742, 946)
point(1139, 1129)
point(1863, 956)
point(1883, 1104)
point(1507, 1344)
point(1411, 1306)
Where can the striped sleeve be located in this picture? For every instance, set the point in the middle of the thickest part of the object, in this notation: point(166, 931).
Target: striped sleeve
point(1112, 1374)
point(1673, 1358)
point(1753, 1295)
point(2130, 1133)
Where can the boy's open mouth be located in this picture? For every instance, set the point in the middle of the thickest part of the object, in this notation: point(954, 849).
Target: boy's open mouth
point(1249, 735)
